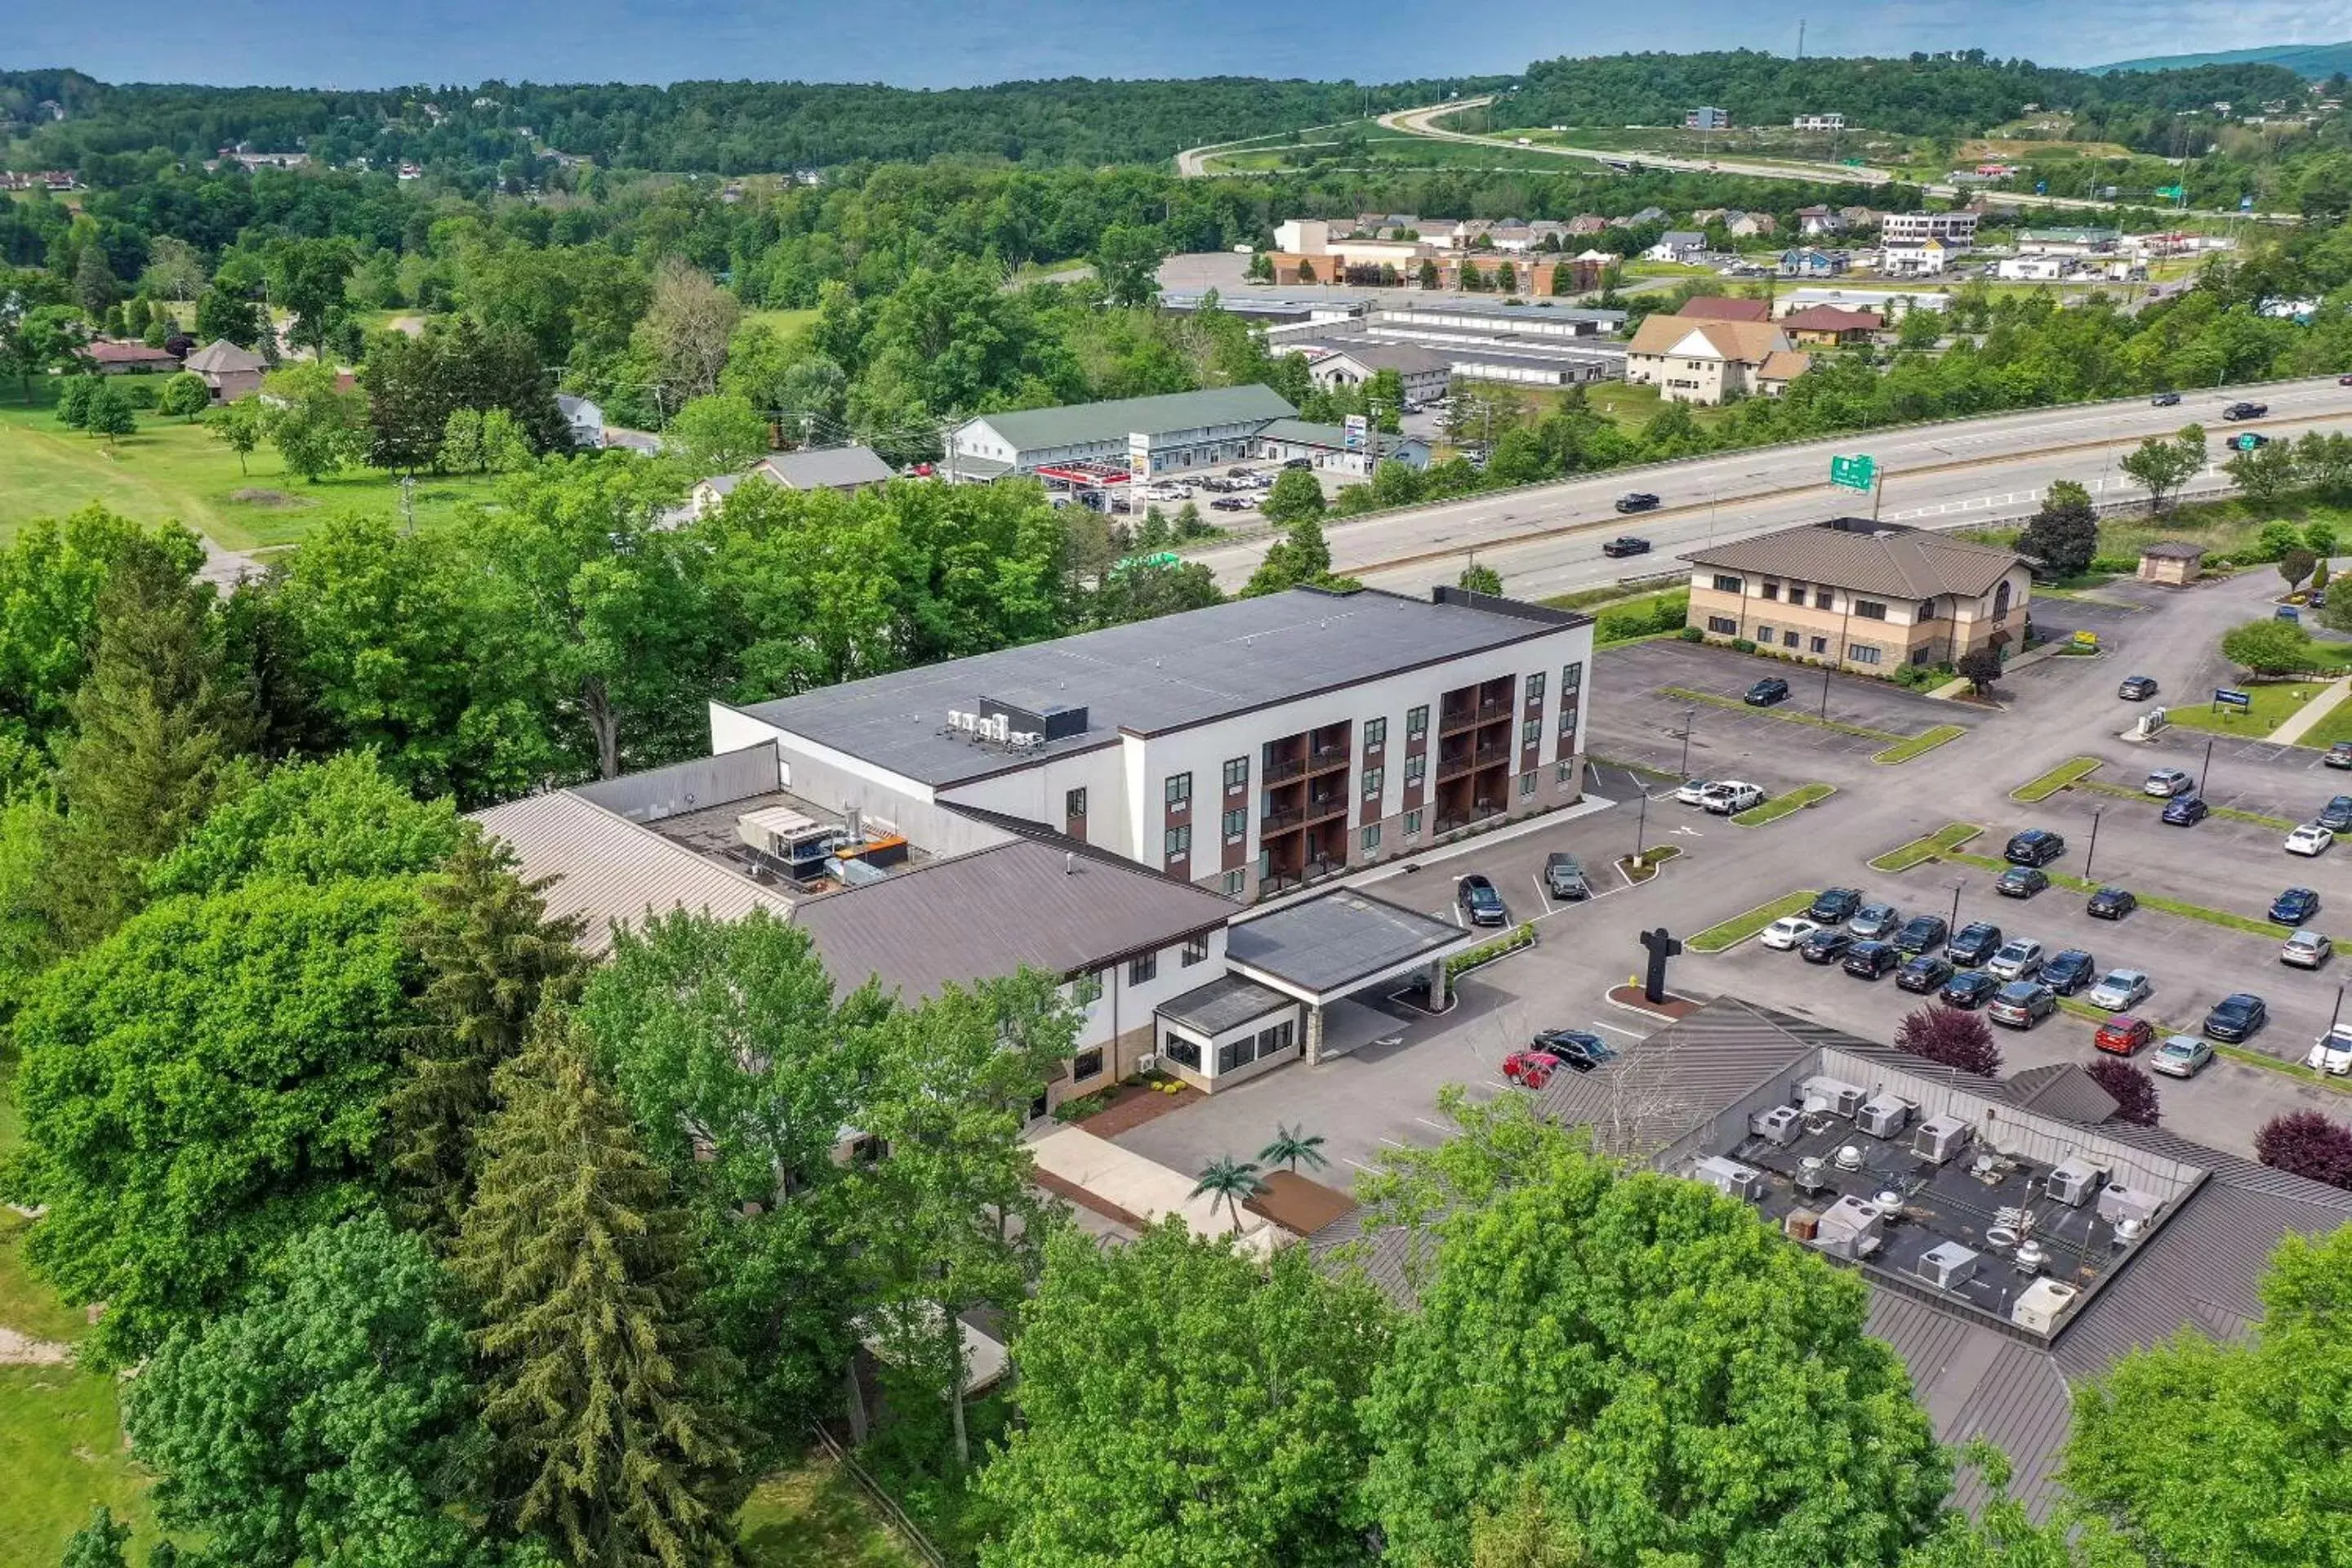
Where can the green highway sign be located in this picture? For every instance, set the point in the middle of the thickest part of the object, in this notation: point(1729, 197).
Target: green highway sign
point(1853, 473)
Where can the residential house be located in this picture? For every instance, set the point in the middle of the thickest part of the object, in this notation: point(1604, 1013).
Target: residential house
point(1828, 327)
point(1702, 217)
point(1926, 259)
point(1722, 308)
point(1862, 595)
point(229, 372)
point(1780, 367)
point(1751, 225)
point(1809, 262)
point(1677, 245)
point(108, 358)
point(1695, 360)
point(1859, 218)
point(842, 468)
point(586, 418)
point(1426, 373)
point(1584, 223)
point(1815, 221)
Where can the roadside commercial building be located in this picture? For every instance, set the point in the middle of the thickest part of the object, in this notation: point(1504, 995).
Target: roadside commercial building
point(1169, 434)
point(1957, 230)
point(842, 468)
point(1703, 362)
point(1424, 372)
point(1860, 595)
point(1336, 448)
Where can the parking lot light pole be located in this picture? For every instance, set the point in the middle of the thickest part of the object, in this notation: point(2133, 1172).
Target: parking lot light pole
point(2203, 769)
point(1690, 719)
point(1954, 924)
point(2339, 1009)
point(1641, 828)
point(2091, 854)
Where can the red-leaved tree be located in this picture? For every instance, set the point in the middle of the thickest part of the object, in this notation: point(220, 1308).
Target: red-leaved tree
point(2133, 1089)
point(1951, 1036)
point(2307, 1143)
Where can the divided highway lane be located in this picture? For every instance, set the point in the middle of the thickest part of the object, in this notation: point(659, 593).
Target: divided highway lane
point(1545, 539)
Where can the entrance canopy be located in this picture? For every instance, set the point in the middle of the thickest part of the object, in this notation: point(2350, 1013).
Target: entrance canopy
point(1334, 945)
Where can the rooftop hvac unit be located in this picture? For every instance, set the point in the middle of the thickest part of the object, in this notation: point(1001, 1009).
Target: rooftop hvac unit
point(1782, 1124)
point(1940, 1137)
point(1730, 1177)
point(1832, 1095)
point(2043, 1306)
point(2118, 1203)
point(1947, 1264)
point(1851, 1228)
point(1884, 1117)
point(2076, 1179)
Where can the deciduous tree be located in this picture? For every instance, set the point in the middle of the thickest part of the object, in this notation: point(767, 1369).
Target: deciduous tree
point(240, 426)
point(2063, 535)
point(316, 427)
point(2164, 466)
point(690, 323)
point(2265, 473)
point(2268, 647)
point(1982, 667)
point(184, 396)
point(2133, 1088)
point(99, 1543)
point(1951, 1037)
point(2308, 1143)
point(108, 412)
point(723, 434)
point(2296, 565)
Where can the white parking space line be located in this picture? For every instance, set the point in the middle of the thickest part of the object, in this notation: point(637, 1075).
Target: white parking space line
point(1358, 1163)
point(1441, 1127)
point(1619, 1030)
point(1393, 1143)
point(1537, 879)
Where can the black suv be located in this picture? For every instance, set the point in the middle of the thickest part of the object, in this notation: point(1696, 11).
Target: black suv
point(1835, 905)
point(2069, 972)
point(1826, 945)
point(1871, 959)
point(1968, 988)
point(1767, 691)
point(2246, 411)
point(1480, 902)
point(1925, 973)
point(2034, 846)
point(1637, 501)
point(2337, 815)
point(1920, 933)
point(1976, 941)
point(2111, 904)
point(1626, 544)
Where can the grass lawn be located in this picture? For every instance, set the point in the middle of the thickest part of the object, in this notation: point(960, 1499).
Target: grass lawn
point(814, 1514)
point(1919, 744)
point(2274, 703)
point(1943, 841)
point(1779, 807)
point(786, 324)
point(2336, 726)
point(2054, 781)
point(1741, 927)
point(2224, 528)
point(1633, 407)
point(172, 470)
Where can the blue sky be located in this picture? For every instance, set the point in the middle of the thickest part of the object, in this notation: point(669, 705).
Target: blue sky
point(938, 43)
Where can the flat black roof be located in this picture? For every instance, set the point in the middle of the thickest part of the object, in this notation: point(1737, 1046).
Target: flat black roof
point(1225, 1002)
point(1329, 941)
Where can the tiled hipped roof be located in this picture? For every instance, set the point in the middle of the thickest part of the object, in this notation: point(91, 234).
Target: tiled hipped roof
point(1883, 558)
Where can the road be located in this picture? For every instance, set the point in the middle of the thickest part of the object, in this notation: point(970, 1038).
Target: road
point(1545, 539)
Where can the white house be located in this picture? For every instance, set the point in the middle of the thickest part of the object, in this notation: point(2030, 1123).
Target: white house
point(586, 419)
point(1677, 245)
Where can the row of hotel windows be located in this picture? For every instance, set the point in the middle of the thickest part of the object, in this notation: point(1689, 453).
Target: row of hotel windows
point(1855, 652)
point(1824, 598)
point(1142, 970)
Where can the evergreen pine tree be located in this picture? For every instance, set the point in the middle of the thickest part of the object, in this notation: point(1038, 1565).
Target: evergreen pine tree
point(99, 1543)
point(491, 955)
point(600, 1389)
point(155, 721)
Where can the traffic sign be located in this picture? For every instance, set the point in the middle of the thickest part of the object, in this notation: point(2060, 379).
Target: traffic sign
point(1858, 473)
point(2171, 193)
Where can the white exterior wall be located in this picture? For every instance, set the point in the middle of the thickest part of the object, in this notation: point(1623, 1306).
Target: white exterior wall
point(1040, 790)
point(1124, 1008)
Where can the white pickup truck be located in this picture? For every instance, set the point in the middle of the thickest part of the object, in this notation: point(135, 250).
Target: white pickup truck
point(2333, 1053)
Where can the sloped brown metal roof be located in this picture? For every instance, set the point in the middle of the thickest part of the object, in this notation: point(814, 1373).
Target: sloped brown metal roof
point(1885, 559)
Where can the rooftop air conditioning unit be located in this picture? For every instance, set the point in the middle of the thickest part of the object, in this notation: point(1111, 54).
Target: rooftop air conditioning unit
point(1730, 1177)
point(1947, 1264)
point(2042, 1305)
point(1940, 1137)
point(1832, 1095)
point(2118, 1203)
point(1851, 1228)
point(1884, 1117)
point(1782, 1124)
point(2076, 1181)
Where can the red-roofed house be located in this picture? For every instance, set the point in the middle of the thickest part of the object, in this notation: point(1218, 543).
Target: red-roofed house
point(127, 359)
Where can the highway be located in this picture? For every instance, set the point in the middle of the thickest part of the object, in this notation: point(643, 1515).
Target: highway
point(1545, 539)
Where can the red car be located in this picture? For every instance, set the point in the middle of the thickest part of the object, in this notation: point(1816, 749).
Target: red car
point(1530, 1069)
point(2124, 1035)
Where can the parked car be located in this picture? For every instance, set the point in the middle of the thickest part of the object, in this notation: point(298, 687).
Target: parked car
point(2034, 846)
point(2332, 1052)
point(2165, 400)
point(2019, 958)
point(1229, 503)
point(2306, 950)
point(2311, 838)
point(2111, 903)
point(2124, 1035)
point(2340, 755)
point(1531, 1070)
point(2022, 1003)
point(1925, 973)
point(2246, 411)
point(1787, 932)
point(2021, 881)
point(1827, 945)
point(1637, 501)
point(2295, 905)
point(1731, 797)
point(1974, 944)
point(1564, 878)
point(1626, 545)
point(2166, 783)
point(2180, 1056)
point(1919, 934)
point(1968, 988)
point(1875, 920)
point(2184, 811)
point(1579, 1048)
point(2237, 1016)
point(1480, 903)
point(2069, 970)
point(1833, 905)
point(2337, 815)
point(1767, 691)
point(2136, 687)
point(1871, 960)
point(2120, 989)
point(1691, 791)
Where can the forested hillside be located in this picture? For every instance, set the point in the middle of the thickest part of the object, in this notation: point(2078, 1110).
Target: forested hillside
point(1938, 96)
point(733, 127)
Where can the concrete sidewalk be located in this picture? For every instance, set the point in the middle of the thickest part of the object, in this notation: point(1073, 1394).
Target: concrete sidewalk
point(2300, 722)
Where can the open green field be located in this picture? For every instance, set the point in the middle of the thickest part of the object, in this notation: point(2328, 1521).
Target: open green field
point(172, 470)
point(2224, 528)
point(786, 324)
point(814, 1515)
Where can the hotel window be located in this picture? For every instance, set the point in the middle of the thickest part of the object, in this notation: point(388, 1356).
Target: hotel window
point(1376, 733)
point(1416, 767)
point(1788, 639)
point(1531, 732)
point(1417, 721)
point(1412, 824)
point(1824, 600)
point(1722, 626)
point(1565, 773)
point(1368, 840)
point(1372, 780)
point(1567, 721)
point(1526, 783)
point(1236, 825)
point(1534, 686)
point(1180, 790)
point(1074, 802)
point(1571, 677)
point(1143, 969)
point(1870, 609)
point(1086, 1065)
point(1862, 653)
point(1726, 583)
point(1764, 634)
point(1087, 989)
point(1196, 950)
point(1767, 590)
point(1237, 775)
point(1184, 1052)
point(1232, 884)
point(1179, 841)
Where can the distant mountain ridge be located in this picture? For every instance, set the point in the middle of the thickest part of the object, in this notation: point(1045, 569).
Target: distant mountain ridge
point(2315, 61)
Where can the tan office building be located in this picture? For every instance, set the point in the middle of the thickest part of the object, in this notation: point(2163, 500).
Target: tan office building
point(1866, 595)
point(1704, 360)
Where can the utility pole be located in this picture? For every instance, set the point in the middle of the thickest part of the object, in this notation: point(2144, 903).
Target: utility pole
point(1800, 38)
